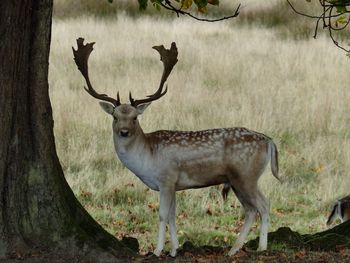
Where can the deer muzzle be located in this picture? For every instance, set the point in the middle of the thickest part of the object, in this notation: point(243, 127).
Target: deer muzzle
point(124, 133)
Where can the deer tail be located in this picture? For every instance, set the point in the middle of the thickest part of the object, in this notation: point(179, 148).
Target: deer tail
point(274, 160)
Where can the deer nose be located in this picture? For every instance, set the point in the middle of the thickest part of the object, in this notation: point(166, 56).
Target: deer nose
point(124, 133)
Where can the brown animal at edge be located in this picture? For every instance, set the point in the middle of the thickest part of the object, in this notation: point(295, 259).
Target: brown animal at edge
point(340, 209)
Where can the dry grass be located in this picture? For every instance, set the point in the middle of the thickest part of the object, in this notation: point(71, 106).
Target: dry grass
point(227, 75)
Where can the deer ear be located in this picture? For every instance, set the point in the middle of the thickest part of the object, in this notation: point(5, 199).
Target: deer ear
point(141, 108)
point(107, 107)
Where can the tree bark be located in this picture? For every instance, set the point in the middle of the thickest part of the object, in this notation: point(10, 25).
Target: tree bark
point(37, 207)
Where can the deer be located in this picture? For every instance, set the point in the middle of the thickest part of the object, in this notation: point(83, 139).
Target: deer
point(340, 209)
point(168, 161)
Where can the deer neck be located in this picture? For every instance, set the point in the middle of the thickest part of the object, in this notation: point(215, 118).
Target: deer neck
point(126, 147)
point(135, 155)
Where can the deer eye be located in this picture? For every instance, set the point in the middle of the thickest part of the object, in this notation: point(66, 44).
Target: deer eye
point(115, 118)
point(135, 118)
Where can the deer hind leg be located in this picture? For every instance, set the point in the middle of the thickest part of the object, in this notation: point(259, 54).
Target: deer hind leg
point(166, 198)
point(253, 201)
point(263, 207)
point(248, 222)
point(250, 210)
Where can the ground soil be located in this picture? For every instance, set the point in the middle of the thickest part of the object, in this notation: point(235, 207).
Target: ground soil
point(204, 254)
point(285, 245)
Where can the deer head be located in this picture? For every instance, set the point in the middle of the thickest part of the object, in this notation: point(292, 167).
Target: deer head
point(125, 123)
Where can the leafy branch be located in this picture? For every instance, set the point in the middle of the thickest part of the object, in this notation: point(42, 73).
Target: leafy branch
point(181, 7)
point(334, 17)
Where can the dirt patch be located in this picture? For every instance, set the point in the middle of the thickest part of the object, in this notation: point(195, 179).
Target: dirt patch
point(285, 245)
point(205, 254)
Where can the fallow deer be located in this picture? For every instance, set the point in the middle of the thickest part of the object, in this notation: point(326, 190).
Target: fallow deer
point(340, 209)
point(169, 161)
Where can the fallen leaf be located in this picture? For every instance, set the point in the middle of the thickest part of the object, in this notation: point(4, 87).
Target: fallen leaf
point(209, 211)
point(85, 194)
point(340, 249)
point(300, 254)
point(321, 259)
point(277, 212)
point(319, 169)
point(118, 222)
point(182, 216)
point(153, 206)
point(240, 253)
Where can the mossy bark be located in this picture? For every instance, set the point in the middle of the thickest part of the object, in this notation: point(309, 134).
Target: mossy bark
point(37, 207)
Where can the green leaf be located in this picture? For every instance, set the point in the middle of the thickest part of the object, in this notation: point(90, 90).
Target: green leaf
point(186, 4)
point(156, 1)
point(203, 9)
point(340, 5)
point(339, 2)
point(213, 2)
point(157, 4)
point(142, 4)
point(342, 19)
point(341, 9)
point(201, 4)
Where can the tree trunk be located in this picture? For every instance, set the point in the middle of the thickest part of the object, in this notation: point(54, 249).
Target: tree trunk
point(37, 207)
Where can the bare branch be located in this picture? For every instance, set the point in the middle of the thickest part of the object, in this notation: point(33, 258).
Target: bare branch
point(327, 17)
point(300, 13)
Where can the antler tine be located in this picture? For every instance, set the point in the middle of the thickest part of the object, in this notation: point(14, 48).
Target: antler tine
point(81, 57)
point(169, 59)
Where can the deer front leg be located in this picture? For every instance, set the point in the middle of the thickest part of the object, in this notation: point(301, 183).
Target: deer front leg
point(172, 226)
point(166, 196)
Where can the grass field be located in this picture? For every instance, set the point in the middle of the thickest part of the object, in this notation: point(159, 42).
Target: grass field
point(294, 89)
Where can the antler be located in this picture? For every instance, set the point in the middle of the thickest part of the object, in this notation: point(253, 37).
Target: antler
point(169, 58)
point(81, 57)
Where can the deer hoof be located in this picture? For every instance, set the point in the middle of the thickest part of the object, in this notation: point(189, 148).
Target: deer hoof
point(157, 252)
point(233, 251)
point(173, 252)
point(262, 248)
